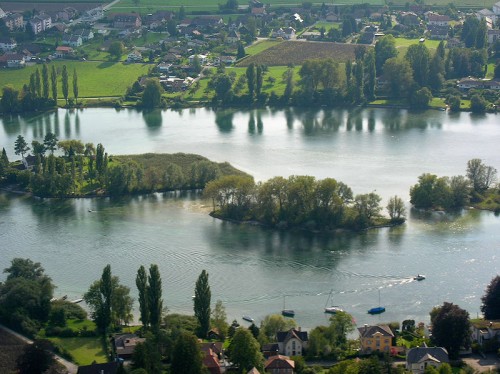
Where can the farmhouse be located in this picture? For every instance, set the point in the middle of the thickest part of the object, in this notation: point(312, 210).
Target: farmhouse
point(72, 40)
point(12, 60)
point(63, 51)
point(7, 44)
point(486, 333)
point(125, 345)
point(279, 365)
point(438, 19)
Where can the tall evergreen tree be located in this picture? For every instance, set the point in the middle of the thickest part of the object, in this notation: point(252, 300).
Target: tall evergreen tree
point(65, 83)
point(202, 297)
point(141, 282)
point(50, 142)
point(53, 82)
point(154, 297)
point(75, 86)
point(289, 85)
point(45, 81)
point(241, 51)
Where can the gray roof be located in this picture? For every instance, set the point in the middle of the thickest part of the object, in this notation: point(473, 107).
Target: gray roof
point(437, 354)
point(284, 336)
point(369, 331)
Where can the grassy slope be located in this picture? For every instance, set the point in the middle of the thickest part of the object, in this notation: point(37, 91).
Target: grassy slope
point(94, 78)
point(184, 160)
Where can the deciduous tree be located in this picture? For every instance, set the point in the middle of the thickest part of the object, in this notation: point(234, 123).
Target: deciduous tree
point(65, 83)
point(450, 328)
point(141, 282)
point(155, 300)
point(20, 146)
point(491, 300)
point(245, 351)
point(186, 356)
point(396, 208)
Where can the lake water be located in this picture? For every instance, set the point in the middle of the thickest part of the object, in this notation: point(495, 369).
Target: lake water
point(252, 269)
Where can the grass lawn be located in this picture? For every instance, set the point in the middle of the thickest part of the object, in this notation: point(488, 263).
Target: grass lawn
point(80, 324)
point(327, 25)
point(95, 79)
point(437, 102)
point(490, 72)
point(83, 350)
point(402, 44)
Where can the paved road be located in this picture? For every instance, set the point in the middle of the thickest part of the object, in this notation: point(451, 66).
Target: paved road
point(70, 367)
point(489, 363)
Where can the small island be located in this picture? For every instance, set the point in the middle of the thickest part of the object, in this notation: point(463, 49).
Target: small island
point(84, 170)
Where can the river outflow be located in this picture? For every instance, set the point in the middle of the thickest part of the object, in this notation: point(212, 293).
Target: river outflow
point(252, 268)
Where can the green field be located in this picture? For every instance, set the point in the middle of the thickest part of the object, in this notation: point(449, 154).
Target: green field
point(95, 79)
point(261, 46)
point(402, 44)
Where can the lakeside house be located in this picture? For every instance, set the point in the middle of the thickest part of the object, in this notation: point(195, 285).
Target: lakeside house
point(420, 358)
point(125, 344)
point(466, 84)
point(292, 342)
point(279, 365)
point(486, 333)
point(375, 338)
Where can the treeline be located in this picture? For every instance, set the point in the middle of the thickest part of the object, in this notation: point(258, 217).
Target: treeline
point(40, 93)
point(299, 201)
point(433, 192)
point(85, 170)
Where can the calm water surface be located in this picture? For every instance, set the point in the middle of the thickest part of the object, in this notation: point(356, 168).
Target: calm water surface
point(251, 269)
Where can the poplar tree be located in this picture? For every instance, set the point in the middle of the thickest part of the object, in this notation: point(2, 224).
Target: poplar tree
point(45, 81)
point(53, 81)
point(154, 297)
point(250, 73)
point(65, 86)
point(141, 282)
point(106, 288)
point(75, 86)
point(202, 296)
point(38, 83)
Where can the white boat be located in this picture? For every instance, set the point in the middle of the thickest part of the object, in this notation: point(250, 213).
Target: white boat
point(419, 277)
point(334, 308)
point(76, 301)
point(248, 319)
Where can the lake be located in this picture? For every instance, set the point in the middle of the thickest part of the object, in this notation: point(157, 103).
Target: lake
point(255, 270)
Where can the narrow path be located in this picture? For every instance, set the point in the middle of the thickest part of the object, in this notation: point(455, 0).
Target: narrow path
point(70, 367)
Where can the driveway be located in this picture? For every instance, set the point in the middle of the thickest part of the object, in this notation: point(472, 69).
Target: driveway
point(481, 364)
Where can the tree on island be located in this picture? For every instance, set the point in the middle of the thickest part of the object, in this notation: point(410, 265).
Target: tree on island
point(491, 300)
point(50, 142)
point(10, 99)
point(202, 296)
point(20, 146)
point(480, 175)
point(396, 208)
point(450, 328)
